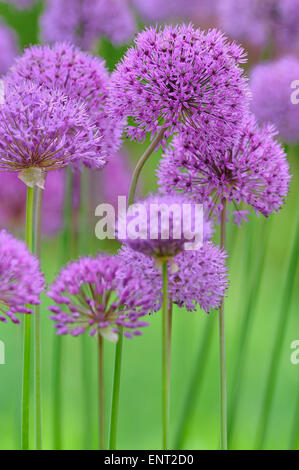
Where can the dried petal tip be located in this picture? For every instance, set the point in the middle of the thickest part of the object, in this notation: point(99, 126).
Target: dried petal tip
point(33, 177)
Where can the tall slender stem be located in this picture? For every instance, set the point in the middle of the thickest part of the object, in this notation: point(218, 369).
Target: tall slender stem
point(169, 321)
point(223, 399)
point(115, 393)
point(37, 324)
point(101, 393)
point(143, 159)
point(165, 359)
point(27, 333)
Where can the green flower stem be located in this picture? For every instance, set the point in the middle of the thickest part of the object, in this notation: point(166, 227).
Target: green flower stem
point(169, 321)
point(37, 324)
point(165, 358)
point(115, 393)
point(223, 399)
point(101, 393)
point(141, 164)
point(27, 333)
point(278, 344)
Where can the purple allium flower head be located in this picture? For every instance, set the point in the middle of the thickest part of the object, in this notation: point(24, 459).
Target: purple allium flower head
point(87, 20)
point(8, 46)
point(79, 75)
point(262, 22)
point(255, 170)
point(271, 89)
point(177, 77)
point(13, 203)
point(41, 130)
point(96, 294)
point(161, 225)
point(21, 281)
point(200, 278)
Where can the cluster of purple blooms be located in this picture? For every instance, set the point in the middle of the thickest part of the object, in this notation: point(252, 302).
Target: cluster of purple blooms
point(102, 295)
point(254, 170)
point(61, 107)
point(21, 281)
point(177, 77)
point(81, 77)
point(42, 130)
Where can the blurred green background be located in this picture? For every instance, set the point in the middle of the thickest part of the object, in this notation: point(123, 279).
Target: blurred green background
point(195, 345)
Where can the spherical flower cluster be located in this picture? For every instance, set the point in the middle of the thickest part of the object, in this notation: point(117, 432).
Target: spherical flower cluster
point(160, 226)
point(8, 46)
point(254, 171)
point(262, 23)
point(96, 295)
point(13, 203)
point(79, 75)
point(42, 130)
point(21, 281)
point(86, 21)
point(271, 89)
point(200, 278)
point(178, 77)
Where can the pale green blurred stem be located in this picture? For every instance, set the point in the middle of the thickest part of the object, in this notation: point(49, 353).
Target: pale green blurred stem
point(101, 393)
point(115, 393)
point(37, 323)
point(143, 159)
point(27, 333)
point(272, 375)
point(223, 399)
point(166, 322)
